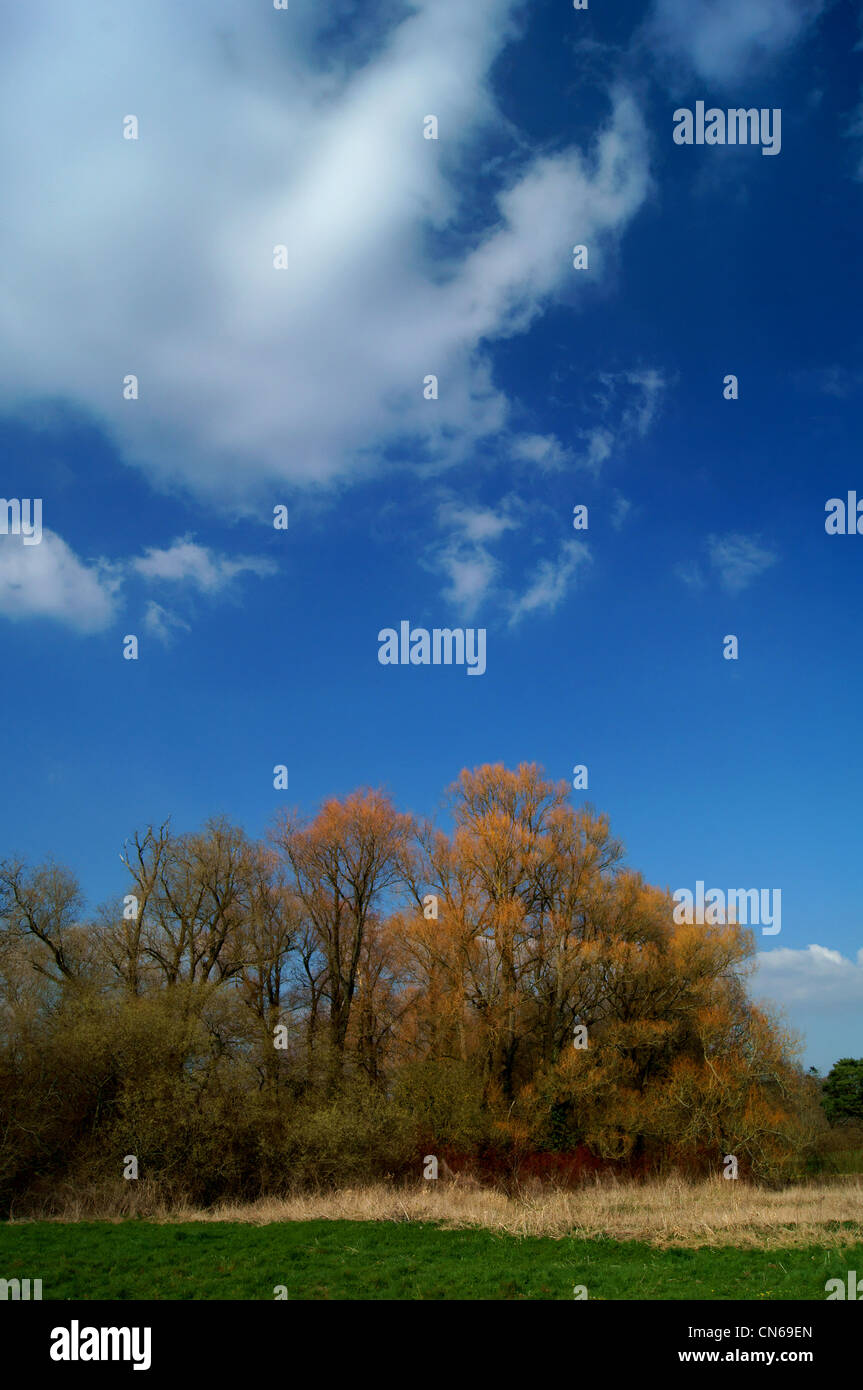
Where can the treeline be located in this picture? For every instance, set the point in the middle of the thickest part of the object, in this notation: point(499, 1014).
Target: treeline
point(361, 989)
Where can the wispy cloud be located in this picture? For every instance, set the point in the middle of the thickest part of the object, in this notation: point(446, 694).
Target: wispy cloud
point(463, 553)
point(620, 510)
point(49, 580)
point(479, 523)
point(470, 573)
point(738, 560)
point(186, 562)
point(545, 451)
point(723, 42)
point(855, 132)
point(482, 556)
point(162, 624)
point(690, 574)
point(834, 380)
point(628, 403)
point(551, 581)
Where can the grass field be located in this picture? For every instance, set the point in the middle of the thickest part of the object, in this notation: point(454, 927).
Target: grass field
point(388, 1260)
point(663, 1211)
point(662, 1240)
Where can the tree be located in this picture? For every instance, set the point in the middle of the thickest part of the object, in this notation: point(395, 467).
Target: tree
point(412, 1022)
point(842, 1091)
point(43, 905)
point(343, 864)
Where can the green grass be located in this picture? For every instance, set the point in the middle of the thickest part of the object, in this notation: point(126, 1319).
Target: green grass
point(379, 1260)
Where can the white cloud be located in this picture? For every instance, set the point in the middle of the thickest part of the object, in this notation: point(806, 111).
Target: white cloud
point(155, 257)
point(474, 573)
point(620, 509)
point(628, 403)
point(855, 132)
point(551, 582)
point(645, 387)
point(470, 574)
point(185, 561)
point(49, 581)
point(738, 560)
point(723, 42)
point(599, 444)
point(690, 574)
point(816, 977)
point(162, 624)
point(464, 556)
point(835, 380)
point(543, 450)
point(478, 523)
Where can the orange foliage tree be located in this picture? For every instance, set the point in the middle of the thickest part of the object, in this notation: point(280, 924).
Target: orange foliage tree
point(503, 988)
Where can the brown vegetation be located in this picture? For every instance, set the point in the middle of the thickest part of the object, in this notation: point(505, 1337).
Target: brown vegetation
point(666, 1211)
point(427, 987)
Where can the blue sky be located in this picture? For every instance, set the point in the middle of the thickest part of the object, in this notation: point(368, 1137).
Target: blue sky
point(557, 387)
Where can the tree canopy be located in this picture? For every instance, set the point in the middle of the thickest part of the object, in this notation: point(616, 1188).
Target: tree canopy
point(362, 987)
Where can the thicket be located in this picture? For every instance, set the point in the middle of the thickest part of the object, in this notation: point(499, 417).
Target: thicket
point(362, 989)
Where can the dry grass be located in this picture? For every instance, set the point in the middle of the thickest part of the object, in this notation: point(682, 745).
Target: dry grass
point(664, 1212)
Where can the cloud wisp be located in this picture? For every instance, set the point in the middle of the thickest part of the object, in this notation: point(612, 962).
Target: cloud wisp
point(50, 581)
